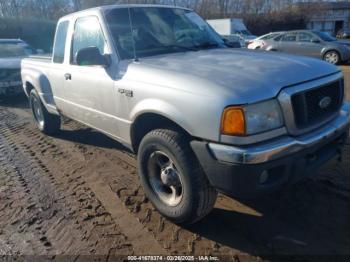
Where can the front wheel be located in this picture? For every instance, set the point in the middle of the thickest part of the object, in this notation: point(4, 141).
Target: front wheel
point(332, 57)
point(173, 179)
point(47, 123)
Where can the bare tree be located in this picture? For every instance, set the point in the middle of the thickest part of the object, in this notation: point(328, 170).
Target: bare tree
point(259, 13)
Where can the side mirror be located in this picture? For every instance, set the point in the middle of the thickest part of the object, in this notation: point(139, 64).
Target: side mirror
point(316, 41)
point(91, 56)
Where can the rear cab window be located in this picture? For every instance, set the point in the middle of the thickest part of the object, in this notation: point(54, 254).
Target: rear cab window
point(60, 42)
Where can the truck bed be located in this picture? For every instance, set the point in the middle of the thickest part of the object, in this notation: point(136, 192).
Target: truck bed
point(40, 58)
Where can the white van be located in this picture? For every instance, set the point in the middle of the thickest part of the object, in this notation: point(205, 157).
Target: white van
point(231, 26)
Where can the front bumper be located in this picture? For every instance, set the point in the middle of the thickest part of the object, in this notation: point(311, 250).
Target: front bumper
point(251, 170)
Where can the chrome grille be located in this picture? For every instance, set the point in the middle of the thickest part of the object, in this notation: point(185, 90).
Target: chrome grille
point(301, 103)
point(308, 108)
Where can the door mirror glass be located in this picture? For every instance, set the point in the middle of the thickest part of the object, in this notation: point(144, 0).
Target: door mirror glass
point(91, 56)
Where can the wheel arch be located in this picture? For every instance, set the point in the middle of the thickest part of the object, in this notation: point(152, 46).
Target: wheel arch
point(28, 87)
point(325, 51)
point(148, 121)
point(35, 79)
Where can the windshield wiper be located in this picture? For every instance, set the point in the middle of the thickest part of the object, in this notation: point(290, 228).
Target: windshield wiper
point(207, 45)
point(181, 47)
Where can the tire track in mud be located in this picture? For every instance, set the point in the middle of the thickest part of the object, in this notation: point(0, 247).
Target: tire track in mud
point(331, 185)
point(116, 166)
point(114, 160)
point(50, 214)
point(79, 155)
point(117, 169)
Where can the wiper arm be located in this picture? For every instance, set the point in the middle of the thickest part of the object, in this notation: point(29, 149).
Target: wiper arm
point(207, 45)
point(181, 47)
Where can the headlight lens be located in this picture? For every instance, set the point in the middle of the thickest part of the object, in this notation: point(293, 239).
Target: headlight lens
point(252, 119)
point(263, 117)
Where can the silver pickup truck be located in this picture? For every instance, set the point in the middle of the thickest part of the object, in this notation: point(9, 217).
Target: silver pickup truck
point(201, 117)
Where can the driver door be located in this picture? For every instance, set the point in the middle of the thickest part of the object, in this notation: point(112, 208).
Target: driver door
point(309, 46)
point(90, 96)
point(288, 44)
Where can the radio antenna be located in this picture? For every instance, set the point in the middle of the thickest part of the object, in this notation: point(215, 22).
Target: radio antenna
point(132, 37)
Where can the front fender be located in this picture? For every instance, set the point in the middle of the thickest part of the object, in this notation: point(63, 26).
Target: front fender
point(162, 108)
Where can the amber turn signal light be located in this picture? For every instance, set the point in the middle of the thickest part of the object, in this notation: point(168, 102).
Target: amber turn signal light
point(233, 122)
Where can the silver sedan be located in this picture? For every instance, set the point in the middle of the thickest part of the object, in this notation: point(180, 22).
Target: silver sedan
point(310, 43)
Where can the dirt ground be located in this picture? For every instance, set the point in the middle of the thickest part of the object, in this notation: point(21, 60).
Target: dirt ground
point(76, 196)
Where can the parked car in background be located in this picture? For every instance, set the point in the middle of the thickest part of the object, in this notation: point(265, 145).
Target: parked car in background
point(234, 41)
point(310, 43)
point(232, 26)
point(259, 42)
point(343, 34)
point(201, 117)
point(12, 51)
point(246, 35)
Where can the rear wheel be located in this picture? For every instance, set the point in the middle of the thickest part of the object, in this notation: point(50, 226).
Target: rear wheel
point(332, 57)
point(173, 179)
point(46, 122)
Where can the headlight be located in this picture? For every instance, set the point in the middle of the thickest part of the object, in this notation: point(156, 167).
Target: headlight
point(252, 119)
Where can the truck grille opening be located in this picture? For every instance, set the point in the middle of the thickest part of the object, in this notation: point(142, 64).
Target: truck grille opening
point(316, 105)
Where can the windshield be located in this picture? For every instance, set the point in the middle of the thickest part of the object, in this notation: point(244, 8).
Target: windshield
point(269, 36)
point(8, 50)
point(158, 31)
point(324, 36)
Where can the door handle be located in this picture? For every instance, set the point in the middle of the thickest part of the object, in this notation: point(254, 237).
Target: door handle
point(68, 76)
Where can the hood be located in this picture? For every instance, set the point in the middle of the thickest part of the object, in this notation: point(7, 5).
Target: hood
point(245, 76)
point(10, 63)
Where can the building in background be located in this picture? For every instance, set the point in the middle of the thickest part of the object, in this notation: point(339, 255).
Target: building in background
point(328, 16)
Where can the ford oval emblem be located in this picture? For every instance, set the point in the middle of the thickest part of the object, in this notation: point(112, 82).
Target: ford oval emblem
point(325, 102)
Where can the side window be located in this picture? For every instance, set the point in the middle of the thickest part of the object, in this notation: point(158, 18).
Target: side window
point(290, 37)
point(87, 33)
point(266, 37)
point(304, 37)
point(278, 38)
point(60, 42)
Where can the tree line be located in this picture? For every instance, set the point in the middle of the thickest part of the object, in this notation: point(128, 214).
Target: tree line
point(53, 9)
point(261, 16)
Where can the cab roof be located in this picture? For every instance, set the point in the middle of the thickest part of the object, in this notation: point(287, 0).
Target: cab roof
point(111, 7)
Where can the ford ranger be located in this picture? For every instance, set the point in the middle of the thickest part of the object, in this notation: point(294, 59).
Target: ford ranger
point(202, 118)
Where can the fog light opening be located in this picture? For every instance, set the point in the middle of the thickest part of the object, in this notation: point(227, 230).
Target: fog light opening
point(264, 177)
